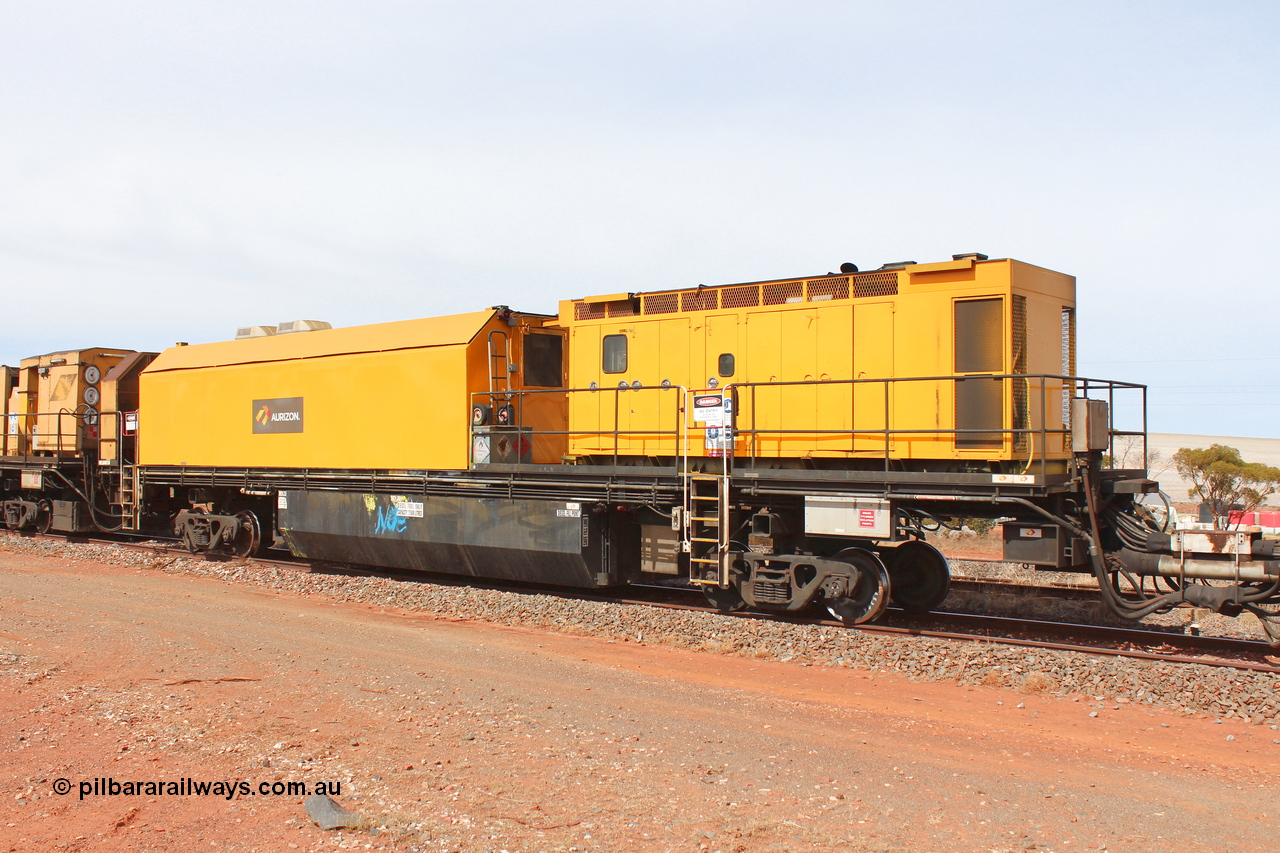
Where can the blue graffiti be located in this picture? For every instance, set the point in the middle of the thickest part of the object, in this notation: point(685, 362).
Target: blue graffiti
point(389, 521)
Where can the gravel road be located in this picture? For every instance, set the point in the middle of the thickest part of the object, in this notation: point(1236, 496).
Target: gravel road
point(462, 719)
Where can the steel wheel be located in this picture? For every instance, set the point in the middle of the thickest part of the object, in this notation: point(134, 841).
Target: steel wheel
point(869, 597)
point(248, 534)
point(44, 516)
point(724, 600)
point(920, 575)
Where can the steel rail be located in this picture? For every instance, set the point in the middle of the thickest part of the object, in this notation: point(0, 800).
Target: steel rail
point(651, 593)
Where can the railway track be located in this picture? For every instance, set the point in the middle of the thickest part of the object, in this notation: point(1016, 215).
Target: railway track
point(1101, 640)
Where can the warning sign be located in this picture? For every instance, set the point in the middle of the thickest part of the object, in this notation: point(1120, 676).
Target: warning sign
point(708, 409)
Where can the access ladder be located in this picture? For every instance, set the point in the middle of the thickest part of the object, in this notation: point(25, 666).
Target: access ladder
point(707, 528)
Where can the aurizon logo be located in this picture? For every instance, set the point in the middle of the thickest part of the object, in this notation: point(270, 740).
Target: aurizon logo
point(277, 414)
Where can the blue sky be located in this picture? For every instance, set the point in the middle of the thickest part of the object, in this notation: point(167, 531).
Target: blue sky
point(169, 171)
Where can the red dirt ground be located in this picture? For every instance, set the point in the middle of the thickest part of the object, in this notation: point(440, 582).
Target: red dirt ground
point(461, 736)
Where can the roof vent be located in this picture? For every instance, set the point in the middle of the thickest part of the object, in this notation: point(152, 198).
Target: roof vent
point(897, 265)
point(977, 256)
point(289, 327)
point(254, 332)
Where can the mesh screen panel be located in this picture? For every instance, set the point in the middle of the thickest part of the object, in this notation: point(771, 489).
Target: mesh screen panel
point(875, 284)
point(700, 300)
point(829, 288)
point(662, 303)
point(588, 310)
point(783, 292)
point(745, 296)
point(979, 336)
point(979, 406)
point(1021, 388)
point(1068, 360)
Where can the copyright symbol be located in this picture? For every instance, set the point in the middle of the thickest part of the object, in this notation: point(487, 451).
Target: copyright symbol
point(62, 786)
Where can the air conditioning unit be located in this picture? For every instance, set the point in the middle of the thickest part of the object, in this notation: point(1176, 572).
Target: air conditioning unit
point(254, 332)
point(289, 327)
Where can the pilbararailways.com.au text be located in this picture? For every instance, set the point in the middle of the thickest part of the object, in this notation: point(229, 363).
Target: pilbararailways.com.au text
point(187, 787)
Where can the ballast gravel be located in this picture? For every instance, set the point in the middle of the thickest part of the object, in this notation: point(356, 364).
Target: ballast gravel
point(1106, 683)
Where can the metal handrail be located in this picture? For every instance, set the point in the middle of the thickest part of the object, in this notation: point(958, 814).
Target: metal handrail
point(67, 441)
point(1036, 452)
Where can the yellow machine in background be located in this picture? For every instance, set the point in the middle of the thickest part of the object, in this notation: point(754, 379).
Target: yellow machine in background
point(54, 402)
point(912, 361)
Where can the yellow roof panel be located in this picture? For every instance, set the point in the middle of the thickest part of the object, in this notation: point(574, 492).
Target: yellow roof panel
point(377, 337)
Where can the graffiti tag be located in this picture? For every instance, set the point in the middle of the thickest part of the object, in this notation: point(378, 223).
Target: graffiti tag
point(389, 521)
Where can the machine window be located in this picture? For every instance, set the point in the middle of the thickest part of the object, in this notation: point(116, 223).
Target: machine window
point(544, 361)
point(615, 354)
point(726, 364)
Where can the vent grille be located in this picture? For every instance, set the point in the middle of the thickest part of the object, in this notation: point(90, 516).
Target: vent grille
point(821, 289)
point(745, 296)
point(700, 300)
point(783, 292)
point(662, 303)
point(875, 284)
point(979, 340)
point(1021, 387)
point(588, 311)
point(1068, 360)
point(879, 283)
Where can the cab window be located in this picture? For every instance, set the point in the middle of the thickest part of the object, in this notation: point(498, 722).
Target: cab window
point(615, 354)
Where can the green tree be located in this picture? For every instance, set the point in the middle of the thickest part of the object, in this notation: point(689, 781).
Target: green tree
point(1223, 481)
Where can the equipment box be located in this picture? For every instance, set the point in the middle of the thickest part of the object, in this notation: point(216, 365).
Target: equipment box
point(71, 517)
point(1043, 545)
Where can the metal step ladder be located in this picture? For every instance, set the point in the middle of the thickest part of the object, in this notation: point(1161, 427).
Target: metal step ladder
point(130, 505)
point(499, 366)
point(707, 528)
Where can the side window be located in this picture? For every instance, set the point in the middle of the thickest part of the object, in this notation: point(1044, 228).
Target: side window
point(726, 364)
point(543, 361)
point(615, 354)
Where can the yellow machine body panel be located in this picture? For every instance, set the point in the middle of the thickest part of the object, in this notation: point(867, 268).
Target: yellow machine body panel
point(54, 402)
point(886, 363)
point(384, 396)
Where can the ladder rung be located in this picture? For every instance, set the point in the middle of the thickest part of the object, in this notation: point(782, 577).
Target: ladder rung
point(714, 519)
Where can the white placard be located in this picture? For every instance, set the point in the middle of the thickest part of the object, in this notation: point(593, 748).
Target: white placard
point(409, 509)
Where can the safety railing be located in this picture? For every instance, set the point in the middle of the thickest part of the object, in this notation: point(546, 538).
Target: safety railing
point(1017, 417)
point(1026, 419)
point(547, 417)
point(32, 436)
